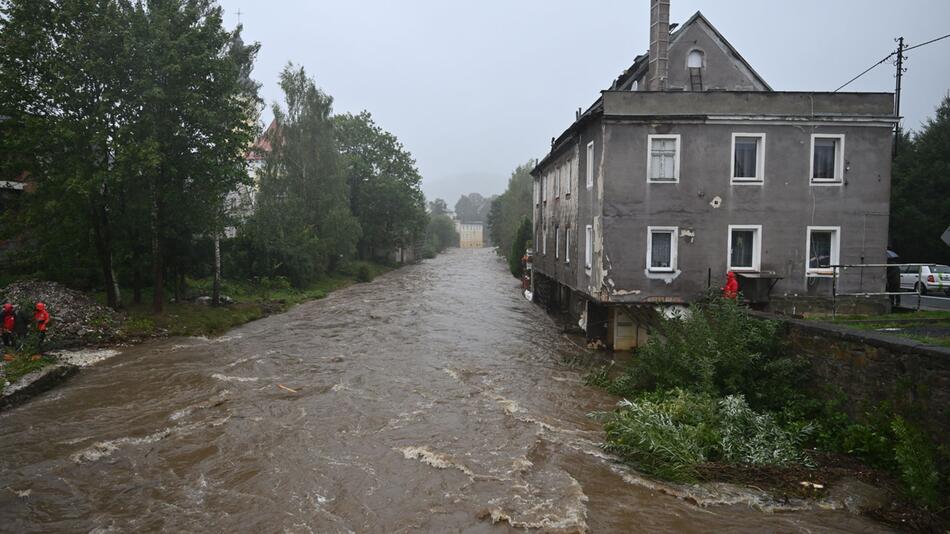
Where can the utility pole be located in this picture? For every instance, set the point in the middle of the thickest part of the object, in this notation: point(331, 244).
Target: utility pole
point(897, 92)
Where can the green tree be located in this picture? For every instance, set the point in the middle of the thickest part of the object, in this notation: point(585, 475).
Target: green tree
point(440, 235)
point(438, 207)
point(302, 227)
point(383, 185)
point(920, 211)
point(508, 213)
point(518, 246)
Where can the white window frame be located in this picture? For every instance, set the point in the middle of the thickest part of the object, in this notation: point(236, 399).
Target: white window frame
point(835, 250)
point(567, 245)
point(756, 250)
point(557, 181)
point(590, 165)
point(839, 161)
point(557, 242)
point(676, 158)
point(759, 177)
point(588, 247)
point(674, 232)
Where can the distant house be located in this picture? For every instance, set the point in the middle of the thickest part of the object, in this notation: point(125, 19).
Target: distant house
point(241, 202)
point(690, 165)
point(471, 234)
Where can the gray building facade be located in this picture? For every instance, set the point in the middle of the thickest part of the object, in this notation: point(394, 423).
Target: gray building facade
point(690, 166)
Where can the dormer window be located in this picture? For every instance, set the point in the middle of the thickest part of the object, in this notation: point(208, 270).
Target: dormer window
point(695, 60)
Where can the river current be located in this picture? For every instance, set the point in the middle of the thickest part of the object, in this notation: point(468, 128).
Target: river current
point(433, 399)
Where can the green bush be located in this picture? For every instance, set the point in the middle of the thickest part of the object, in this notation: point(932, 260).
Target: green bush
point(915, 462)
point(754, 438)
point(364, 273)
point(720, 350)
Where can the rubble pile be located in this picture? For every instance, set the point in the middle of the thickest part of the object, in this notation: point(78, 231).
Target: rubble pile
point(75, 317)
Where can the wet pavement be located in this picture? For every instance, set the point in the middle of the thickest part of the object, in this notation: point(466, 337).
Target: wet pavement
point(433, 399)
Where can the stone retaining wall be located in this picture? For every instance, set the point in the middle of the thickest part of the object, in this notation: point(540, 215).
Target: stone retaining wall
point(870, 368)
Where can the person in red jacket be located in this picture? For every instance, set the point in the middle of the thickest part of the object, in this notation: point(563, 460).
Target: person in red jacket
point(42, 321)
point(7, 324)
point(731, 291)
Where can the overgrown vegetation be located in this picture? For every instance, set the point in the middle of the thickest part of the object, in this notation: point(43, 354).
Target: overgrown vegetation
point(509, 211)
point(22, 364)
point(718, 386)
point(919, 217)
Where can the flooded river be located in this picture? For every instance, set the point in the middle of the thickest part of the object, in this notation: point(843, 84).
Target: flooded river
point(433, 399)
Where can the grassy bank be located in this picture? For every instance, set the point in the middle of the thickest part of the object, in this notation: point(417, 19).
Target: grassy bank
point(930, 327)
point(716, 396)
point(189, 317)
point(249, 301)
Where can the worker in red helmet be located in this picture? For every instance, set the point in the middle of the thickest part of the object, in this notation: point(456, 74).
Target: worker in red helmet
point(41, 317)
point(731, 291)
point(7, 324)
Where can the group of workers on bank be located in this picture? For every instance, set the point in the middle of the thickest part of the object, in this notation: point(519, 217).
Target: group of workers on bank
point(11, 324)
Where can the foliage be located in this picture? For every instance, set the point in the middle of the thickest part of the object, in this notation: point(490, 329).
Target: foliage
point(915, 462)
point(717, 349)
point(364, 274)
point(22, 365)
point(440, 235)
point(918, 216)
point(506, 219)
point(670, 433)
point(303, 226)
point(472, 208)
point(518, 247)
point(383, 185)
point(132, 119)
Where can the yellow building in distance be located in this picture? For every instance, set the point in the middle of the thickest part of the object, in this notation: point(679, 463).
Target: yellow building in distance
point(471, 235)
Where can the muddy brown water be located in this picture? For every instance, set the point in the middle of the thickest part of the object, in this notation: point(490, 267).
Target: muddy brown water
point(432, 399)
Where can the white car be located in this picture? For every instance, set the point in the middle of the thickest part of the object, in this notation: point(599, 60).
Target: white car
point(926, 278)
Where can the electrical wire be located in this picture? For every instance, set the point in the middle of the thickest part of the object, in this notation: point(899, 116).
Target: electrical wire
point(889, 56)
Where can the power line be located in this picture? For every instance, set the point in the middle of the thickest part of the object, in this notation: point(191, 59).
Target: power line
point(889, 56)
point(927, 43)
point(847, 83)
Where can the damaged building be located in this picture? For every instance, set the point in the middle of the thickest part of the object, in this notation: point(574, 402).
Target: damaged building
point(690, 165)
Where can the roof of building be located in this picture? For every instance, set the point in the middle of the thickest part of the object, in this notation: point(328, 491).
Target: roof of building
point(262, 146)
point(639, 67)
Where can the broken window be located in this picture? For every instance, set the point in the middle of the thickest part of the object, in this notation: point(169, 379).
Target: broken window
point(663, 158)
point(567, 245)
point(748, 157)
point(822, 249)
point(827, 153)
point(661, 248)
point(744, 245)
point(588, 246)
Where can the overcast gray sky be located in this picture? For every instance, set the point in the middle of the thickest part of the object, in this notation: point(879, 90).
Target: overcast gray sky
point(472, 89)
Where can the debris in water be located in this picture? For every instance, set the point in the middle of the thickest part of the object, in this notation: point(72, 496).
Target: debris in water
point(281, 386)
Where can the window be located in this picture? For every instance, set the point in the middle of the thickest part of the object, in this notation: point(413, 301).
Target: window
point(557, 241)
point(827, 159)
point(569, 177)
point(544, 241)
point(544, 192)
point(590, 165)
point(823, 246)
point(663, 158)
point(534, 190)
point(557, 181)
point(695, 60)
point(661, 248)
point(588, 246)
point(748, 158)
point(567, 245)
point(745, 246)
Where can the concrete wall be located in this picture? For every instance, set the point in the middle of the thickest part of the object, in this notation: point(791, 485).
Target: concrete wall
point(704, 203)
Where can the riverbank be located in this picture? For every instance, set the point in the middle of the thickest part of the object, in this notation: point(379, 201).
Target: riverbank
point(25, 373)
point(722, 396)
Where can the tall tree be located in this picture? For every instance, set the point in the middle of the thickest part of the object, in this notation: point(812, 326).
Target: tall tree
point(383, 185)
point(509, 210)
point(920, 208)
point(438, 207)
point(302, 227)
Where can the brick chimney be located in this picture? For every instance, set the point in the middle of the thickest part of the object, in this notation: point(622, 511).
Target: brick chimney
point(659, 45)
